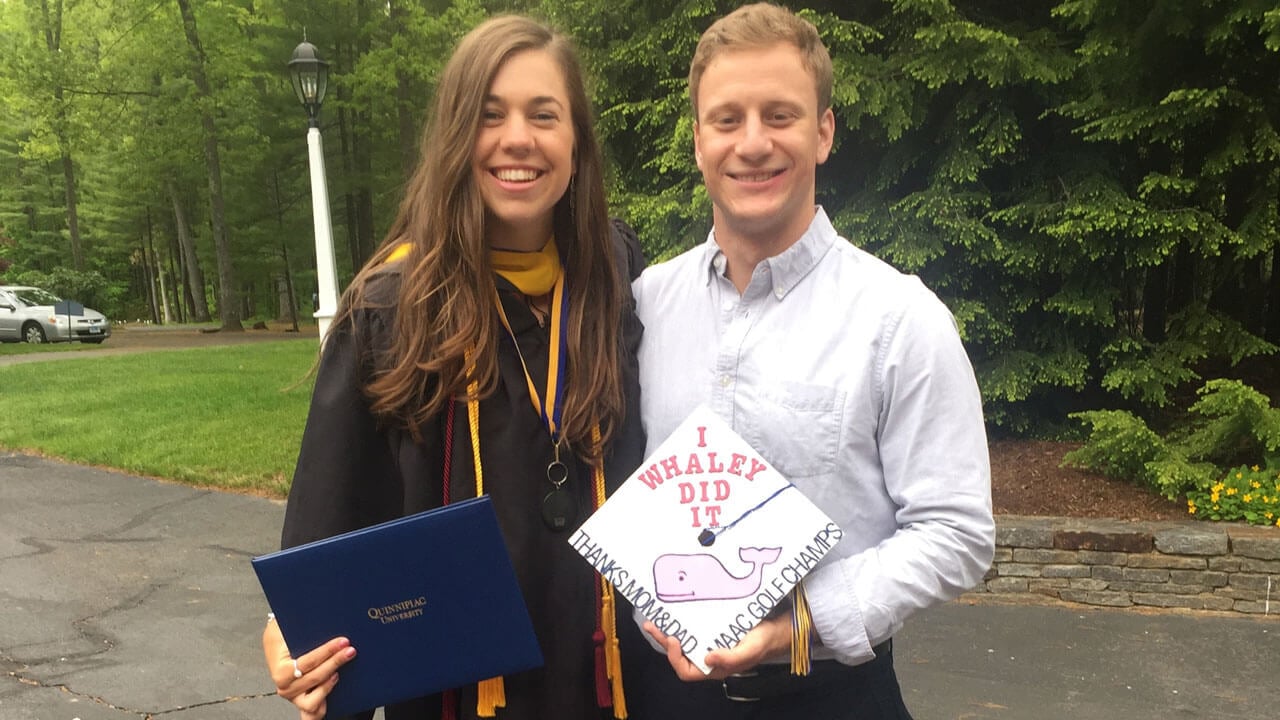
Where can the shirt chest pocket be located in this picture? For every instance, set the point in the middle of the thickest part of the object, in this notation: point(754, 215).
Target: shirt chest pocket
point(795, 426)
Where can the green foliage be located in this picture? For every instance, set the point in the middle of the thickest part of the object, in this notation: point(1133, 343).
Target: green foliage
point(1248, 494)
point(1234, 421)
point(1119, 445)
point(1091, 187)
point(89, 288)
point(1230, 421)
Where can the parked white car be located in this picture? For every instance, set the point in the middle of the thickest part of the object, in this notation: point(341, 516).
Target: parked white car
point(29, 314)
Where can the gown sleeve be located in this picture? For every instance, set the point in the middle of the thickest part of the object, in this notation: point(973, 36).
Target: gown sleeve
point(346, 476)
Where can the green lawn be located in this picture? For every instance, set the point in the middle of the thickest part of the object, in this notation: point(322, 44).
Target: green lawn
point(7, 348)
point(226, 416)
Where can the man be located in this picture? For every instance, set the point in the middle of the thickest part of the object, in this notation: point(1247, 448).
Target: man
point(847, 375)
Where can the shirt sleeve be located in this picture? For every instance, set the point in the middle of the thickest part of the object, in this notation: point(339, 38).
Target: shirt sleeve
point(932, 448)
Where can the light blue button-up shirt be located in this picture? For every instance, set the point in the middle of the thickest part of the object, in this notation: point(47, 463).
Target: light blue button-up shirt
point(850, 377)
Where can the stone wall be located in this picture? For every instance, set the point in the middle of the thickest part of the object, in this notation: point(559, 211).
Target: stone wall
point(1179, 564)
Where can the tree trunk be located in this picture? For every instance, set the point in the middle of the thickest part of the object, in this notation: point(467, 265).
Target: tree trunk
point(158, 267)
point(346, 135)
point(406, 100)
point(176, 277)
point(1155, 294)
point(53, 43)
point(73, 214)
point(291, 304)
point(1273, 298)
point(193, 277)
point(228, 305)
point(363, 160)
point(149, 280)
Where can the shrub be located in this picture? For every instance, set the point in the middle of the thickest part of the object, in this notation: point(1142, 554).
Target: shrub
point(1250, 494)
point(1229, 423)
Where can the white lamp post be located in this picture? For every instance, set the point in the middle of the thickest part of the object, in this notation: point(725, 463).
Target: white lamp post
point(310, 77)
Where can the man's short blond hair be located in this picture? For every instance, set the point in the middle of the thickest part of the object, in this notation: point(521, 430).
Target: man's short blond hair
point(762, 25)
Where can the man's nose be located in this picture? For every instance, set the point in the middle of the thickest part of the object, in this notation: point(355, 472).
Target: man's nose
point(755, 140)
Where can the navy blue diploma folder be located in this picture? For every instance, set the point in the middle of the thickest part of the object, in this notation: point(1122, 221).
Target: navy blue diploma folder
point(429, 601)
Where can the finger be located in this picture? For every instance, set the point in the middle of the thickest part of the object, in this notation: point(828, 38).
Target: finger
point(685, 670)
point(771, 638)
point(316, 669)
point(314, 703)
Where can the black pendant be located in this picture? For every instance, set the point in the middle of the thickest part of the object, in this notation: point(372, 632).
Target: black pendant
point(559, 509)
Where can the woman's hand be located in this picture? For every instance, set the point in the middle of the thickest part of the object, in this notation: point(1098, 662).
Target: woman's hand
point(771, 638)
point(307, 681)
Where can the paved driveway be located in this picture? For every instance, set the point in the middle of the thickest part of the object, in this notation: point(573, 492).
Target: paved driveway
point(123, 598)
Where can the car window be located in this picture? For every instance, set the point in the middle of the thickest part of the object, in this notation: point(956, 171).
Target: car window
point(32, 297)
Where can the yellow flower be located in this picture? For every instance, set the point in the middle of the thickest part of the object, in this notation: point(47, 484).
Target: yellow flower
point(1269, 515)
point(1248, 497)
point(1277, 522)
point(1192, 510)
point(1218, 487)
point(1255, 484)
point(1214, 496)
point(1232, 491)
point(1254, 468)
point(1239, 475)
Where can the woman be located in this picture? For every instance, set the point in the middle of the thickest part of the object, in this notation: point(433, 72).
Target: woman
point(502, 256)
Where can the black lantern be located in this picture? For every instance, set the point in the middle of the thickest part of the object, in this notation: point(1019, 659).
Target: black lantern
point(310, 76)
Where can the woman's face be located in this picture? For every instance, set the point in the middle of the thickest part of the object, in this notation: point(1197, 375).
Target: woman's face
point(524, 152)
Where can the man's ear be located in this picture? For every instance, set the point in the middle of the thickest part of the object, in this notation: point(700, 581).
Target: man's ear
point(826, 134)
point(697, 150)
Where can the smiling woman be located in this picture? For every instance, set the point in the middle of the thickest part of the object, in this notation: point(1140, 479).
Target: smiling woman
point(523, 157)
point(487, 348)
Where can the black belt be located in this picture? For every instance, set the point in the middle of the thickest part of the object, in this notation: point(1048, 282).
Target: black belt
point(775, 680)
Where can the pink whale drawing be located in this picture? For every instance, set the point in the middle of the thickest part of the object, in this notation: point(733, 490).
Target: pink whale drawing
point(687, 578)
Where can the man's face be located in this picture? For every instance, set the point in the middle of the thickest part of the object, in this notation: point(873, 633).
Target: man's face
point(759, 138)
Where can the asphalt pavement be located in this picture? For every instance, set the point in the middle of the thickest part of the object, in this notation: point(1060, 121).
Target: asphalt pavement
point(125, 598)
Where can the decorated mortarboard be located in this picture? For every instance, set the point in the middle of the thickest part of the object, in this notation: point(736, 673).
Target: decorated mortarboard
point(707, 538)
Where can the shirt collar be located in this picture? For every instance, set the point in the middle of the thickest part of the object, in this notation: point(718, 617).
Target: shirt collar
point(788, 267)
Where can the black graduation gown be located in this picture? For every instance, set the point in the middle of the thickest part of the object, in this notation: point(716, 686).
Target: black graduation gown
point(352, 473)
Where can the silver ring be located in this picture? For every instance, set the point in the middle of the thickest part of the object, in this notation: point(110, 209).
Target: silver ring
point(297, 672)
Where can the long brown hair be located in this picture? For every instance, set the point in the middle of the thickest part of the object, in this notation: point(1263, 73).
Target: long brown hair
point(445, 317)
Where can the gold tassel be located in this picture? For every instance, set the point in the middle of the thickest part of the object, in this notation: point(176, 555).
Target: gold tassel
point(612, 649)
point(608, 608)
point(801, 631)
point(491, 694)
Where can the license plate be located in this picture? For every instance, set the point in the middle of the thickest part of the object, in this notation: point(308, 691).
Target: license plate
point(93, 330)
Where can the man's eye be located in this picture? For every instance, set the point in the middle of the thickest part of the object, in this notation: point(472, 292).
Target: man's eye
point(490, 117)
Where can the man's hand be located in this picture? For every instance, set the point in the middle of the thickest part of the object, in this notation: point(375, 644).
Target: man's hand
point(770, 639)
point(307, 682)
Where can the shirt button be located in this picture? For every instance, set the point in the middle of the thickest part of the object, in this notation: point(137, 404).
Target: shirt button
point(779, 292)
point(725, 380)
